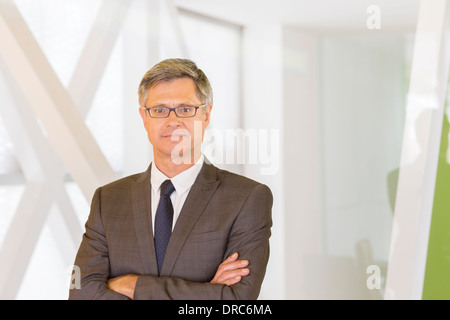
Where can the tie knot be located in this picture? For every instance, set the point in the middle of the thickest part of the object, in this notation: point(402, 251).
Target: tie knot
point(167, 188)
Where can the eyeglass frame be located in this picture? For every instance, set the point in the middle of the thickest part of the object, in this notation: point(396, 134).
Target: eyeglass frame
point(174, 110)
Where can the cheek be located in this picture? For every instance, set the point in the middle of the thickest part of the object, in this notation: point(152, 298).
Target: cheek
point(197, 129)
point(151, 130)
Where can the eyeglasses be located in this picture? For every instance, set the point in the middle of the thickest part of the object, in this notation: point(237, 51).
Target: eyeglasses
point(181, 111)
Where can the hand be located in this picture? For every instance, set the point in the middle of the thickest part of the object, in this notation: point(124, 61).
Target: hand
point(231, 271)
point(124, 284)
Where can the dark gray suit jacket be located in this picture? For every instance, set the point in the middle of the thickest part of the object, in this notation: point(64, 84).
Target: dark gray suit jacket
point(223, 213)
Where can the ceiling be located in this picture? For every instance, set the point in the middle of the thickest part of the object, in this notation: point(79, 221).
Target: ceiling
point(318, 15)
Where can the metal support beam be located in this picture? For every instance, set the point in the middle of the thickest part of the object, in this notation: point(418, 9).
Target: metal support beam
point(26, 226)
point(176, 25)
point(44, 174)
point(61, 140)
point(421, 140)
point(96, 53)
point(51, 102)
point(43, 169)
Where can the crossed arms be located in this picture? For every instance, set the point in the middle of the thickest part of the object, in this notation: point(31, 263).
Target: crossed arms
point(228, 273)
point(239, 276)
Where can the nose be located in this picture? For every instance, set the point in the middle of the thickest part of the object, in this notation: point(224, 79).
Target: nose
point(172, 119)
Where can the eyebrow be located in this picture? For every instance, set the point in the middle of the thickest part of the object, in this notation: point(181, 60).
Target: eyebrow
point(178, 105)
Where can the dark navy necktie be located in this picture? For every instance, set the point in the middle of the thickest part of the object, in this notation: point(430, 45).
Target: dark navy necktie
point(163, 221)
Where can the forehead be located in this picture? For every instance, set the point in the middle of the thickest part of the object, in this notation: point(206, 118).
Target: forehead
point(181, 90)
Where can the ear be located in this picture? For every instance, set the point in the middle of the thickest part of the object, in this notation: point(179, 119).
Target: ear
point(208, 114)
point(142, 113)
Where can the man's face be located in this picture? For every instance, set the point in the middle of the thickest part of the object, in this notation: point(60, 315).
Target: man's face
point(166, 133)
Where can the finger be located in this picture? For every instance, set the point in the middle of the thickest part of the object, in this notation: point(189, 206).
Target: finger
point(231, 258)
point(238, 264)
point(225, 277)
point(229, 267)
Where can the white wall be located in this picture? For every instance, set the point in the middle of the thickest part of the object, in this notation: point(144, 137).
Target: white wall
point(262, 112)
point(301, 158)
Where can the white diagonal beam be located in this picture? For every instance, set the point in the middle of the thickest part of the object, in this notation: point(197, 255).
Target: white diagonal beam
point(42, 169)
point(175, 20)
point(44, 174)
point(51, 102)
point(96, 52)
point(421, 140)
point(26, 225)
point(140, 49)
point(38, 160)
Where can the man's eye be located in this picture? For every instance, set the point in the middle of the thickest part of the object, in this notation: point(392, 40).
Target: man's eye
point(186, 109)
point(159, 110)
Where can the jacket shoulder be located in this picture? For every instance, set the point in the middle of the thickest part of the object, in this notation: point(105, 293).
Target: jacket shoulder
point(123, 183)
point(236, 181)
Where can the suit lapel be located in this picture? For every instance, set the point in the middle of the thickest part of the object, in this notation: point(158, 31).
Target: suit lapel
point(141, 207)
point(201, 192)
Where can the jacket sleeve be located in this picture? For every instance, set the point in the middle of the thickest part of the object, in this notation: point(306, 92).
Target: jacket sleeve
point(249, 237)
point(93, 260)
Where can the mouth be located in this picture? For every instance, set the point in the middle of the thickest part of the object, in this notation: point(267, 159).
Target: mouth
point(174, 135)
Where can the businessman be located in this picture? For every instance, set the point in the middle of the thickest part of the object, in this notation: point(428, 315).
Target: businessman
point(183, 229)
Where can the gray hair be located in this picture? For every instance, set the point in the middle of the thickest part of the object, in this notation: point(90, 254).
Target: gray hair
point(171, 69)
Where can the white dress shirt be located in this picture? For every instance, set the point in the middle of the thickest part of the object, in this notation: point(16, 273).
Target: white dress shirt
point(182, 183)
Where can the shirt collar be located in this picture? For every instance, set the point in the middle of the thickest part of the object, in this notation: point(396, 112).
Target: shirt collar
point(182, 181)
